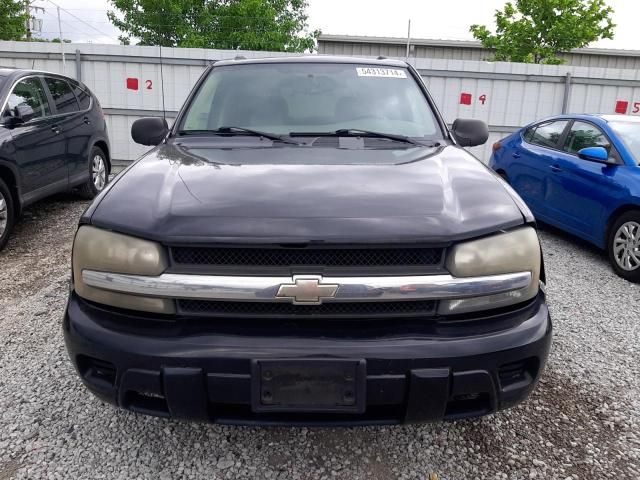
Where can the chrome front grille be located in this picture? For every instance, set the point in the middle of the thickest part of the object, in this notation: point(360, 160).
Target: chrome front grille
point(313, 296)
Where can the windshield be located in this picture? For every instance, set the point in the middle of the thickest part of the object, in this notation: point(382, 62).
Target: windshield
point(312, 98)
point(629, 133)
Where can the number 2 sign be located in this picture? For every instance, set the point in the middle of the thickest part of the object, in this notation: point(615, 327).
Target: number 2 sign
point(132, 84)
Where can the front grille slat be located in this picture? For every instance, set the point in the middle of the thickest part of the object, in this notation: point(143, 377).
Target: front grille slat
point(320, 257)
point(214, 308)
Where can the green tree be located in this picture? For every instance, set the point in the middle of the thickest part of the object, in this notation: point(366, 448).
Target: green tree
point(536, 31)
point(13, 20)
point(276, 25)
point(46, 40)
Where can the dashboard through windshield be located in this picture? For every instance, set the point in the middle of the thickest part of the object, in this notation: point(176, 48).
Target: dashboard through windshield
point(312, 98)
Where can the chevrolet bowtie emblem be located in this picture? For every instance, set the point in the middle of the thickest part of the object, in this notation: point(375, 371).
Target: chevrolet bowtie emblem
point(307, 291)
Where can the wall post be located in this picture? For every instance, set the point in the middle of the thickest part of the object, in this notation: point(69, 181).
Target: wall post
point(78, 60)
point(567, 93)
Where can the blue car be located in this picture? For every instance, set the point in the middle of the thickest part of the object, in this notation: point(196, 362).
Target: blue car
point(581, 174)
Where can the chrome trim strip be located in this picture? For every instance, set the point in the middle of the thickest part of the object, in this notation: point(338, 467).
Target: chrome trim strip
point(371, 289)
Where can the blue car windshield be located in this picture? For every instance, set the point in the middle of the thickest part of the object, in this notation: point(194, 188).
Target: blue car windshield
point(629, 133)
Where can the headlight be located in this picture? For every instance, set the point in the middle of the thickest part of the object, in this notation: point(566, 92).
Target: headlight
point(101, 250)
point(511, 252)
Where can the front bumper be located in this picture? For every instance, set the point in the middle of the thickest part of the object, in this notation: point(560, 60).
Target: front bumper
point(208, 377)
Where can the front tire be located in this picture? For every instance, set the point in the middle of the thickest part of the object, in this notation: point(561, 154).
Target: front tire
point(7, 214)
point(98, 174)
point(623, 246)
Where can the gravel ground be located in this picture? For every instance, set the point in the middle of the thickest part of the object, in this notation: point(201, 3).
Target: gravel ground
point(582, 422)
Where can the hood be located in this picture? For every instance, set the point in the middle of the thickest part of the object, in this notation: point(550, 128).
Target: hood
point(201, 191)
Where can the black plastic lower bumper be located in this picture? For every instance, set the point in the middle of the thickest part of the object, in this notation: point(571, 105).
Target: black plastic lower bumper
point(223, 378)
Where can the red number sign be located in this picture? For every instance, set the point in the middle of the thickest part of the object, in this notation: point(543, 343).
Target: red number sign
point(132, 84)
point(622, 106)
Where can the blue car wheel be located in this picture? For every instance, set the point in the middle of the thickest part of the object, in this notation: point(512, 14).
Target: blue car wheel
point(624, 246)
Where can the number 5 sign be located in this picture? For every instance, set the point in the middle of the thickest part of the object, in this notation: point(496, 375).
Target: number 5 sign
point(622, 107)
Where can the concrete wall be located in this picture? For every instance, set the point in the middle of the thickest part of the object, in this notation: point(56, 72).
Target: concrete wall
point(462, 50)
point(505, 95)
point(518, 94)
point(105, 70)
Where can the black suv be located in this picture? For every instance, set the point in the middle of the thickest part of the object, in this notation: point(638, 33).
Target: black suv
point(53, 138)
point(308, 243)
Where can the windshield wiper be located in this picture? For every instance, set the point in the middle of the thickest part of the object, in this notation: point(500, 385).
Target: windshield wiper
point(356, 132)
point(233, 130)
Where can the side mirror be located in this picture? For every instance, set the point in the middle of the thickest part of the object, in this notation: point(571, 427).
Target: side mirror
point(149, 131)
point(11, 118)
point(18, 115)
point(470, 133)
point(24, 112)
point(11, 121)
point(595, 154)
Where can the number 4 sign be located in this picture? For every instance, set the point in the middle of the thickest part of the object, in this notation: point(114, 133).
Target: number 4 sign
point(466, 98)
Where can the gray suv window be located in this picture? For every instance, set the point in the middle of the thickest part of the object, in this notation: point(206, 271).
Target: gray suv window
point(82, 95)
point(29, 100)
point(62, 95)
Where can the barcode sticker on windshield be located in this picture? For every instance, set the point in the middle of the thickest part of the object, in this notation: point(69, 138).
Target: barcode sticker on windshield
point(381, 72)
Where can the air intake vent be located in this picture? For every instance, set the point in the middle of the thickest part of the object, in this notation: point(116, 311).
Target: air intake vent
point(283, 310)
point(330, 257)
point(518, 374)
point(97, 372)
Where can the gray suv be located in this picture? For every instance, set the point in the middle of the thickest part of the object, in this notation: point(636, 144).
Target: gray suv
point(53, 138)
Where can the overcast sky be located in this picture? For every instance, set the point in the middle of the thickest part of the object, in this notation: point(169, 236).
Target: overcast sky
point(435, 19)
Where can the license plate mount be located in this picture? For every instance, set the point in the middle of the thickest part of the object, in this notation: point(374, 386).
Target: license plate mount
point(308, 386)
